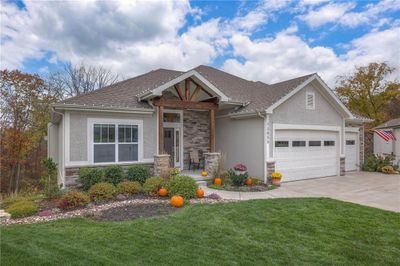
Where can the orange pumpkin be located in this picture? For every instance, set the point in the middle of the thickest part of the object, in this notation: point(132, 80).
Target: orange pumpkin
point(204, 173)
point(248, 182)
point(177, 201)
point(200, 193)
point(218, 181)
point(162, 192)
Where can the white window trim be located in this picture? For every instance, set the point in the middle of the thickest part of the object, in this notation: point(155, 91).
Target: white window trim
point(116, 122)
point(176, 125)
point(313, 102)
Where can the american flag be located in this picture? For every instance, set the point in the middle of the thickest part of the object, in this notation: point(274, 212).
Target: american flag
point(385, 134)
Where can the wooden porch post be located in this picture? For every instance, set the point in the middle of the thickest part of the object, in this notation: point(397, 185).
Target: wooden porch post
point(212, 131)
point(160, 130)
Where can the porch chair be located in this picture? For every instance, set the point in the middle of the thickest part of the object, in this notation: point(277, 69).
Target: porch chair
point(194, 161)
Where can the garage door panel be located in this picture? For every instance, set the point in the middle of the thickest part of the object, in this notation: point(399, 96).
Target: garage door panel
point(296, 163)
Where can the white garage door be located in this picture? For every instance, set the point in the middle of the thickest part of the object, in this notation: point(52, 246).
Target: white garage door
point(303, 154)
point(351, 151)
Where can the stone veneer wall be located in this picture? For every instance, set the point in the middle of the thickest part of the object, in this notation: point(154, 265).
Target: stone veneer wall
point(72, 176)
point(342, 166)
point(195, 133)
point(270, 170)
point(362, 151)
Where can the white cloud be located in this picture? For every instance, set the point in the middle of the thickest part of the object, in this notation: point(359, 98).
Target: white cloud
point(341, 14)
point(287, 56)
point(327, 13)
point(128, 36)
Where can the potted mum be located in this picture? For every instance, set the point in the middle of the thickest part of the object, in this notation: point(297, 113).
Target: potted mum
point(240, 168)
point(276, 178)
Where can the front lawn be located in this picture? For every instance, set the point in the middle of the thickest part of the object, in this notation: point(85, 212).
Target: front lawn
point(259, 232)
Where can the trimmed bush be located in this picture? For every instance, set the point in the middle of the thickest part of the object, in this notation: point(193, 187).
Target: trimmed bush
point(374, 163)
point(138, 173)
point(237, 179)
point(129, 188)
point(152, 185)
point(114, 174)
point(182, 185)
point(22, 208)
point(90, 176)
point(102, 191)
point(74, 199)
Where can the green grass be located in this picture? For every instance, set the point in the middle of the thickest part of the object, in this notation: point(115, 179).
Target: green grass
point(260, 232)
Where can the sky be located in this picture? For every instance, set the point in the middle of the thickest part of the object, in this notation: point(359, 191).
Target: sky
point(269, 40)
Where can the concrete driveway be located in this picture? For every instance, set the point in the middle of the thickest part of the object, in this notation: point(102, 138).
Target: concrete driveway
point(369, 189)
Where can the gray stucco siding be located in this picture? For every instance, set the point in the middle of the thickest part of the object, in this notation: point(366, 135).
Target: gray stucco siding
point(241, 141)
point(78, 131)
point(293, 111)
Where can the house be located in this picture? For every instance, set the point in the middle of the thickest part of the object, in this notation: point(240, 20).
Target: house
point(298, 127)
point(386, 146)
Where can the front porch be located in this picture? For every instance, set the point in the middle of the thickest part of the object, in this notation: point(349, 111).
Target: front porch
point(186, 127)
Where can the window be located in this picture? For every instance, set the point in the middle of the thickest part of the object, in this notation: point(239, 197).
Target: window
point(350, 142)
point(298, 143)
point(172, 117)
point(314, 143)
point(281, 143)
point(310, 100)
point(128, 143)
point(108, 148)
point(329, 143)
point(104, 143)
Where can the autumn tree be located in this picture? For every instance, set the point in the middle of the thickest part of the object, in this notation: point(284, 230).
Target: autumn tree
point(370, 92)
point(73, 80)
point(25, 110)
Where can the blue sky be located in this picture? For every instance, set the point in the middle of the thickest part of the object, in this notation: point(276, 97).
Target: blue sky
point(269, 40)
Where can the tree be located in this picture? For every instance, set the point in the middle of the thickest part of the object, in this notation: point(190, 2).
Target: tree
point(74, 80)
point(25, 111)
point(368, 91)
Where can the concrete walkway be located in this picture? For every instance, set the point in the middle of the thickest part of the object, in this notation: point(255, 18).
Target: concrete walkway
point(369, 189)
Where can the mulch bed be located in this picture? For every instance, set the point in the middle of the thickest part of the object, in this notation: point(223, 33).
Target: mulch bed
point(134, 207)
point(135, 211)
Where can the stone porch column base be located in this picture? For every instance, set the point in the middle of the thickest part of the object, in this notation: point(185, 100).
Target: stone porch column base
point(270, 170)
point(342, 166)
point(161, 163)
point(211, 162)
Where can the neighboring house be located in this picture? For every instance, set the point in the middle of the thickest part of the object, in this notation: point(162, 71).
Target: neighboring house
point(391, 146)
point(298, 127)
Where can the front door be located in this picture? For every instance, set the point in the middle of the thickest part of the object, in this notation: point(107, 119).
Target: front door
point(172, 145)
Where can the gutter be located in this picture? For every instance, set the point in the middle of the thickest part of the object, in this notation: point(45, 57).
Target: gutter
point(74, 107)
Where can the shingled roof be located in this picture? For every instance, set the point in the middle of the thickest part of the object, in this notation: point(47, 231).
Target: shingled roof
point(390, 124)
point(255, 96)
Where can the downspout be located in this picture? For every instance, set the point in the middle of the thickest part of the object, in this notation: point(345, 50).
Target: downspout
point(264, 117)
point(63, 150)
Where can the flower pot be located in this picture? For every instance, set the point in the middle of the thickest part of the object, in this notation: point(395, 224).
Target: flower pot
point(276, 182)
point(239, 172)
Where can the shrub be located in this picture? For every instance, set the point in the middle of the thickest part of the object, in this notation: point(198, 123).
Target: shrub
point(138, 173)
point(114, 174)
point(152, 185)
point(374, 163)
point(129, 187)
point(389, 170)
point(256, 181)
point(182, 185)
point(102, 191)
point(22, 208)
point(74, 199)
point(61, 192)
point(49, 182)
point(237, 179)
point(90, 176)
